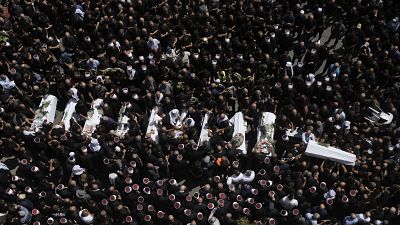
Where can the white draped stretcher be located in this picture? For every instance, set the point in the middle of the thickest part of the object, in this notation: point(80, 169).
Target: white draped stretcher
point(182, 116)
point(331, 153)
point(265, 133)
point(46, 111)
point(94, 116)
point(123, 121)
point(68, 113)
point(267, 119)
point(240, 126)
point(204, 130)
point(152, 128)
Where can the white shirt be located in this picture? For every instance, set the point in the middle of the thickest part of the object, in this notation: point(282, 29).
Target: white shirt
point(362, 218)
point(348, 220)
point(87, 219)
point(305, 137)
point(288, 204)
point(153, 44)
point(234, 179)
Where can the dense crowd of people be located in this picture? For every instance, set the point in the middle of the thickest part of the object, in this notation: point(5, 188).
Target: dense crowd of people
point(202, 57)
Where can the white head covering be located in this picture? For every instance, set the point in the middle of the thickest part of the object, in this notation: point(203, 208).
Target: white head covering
point(77, 170)
point(112, 177)
point(94, 145)
point(330, 194)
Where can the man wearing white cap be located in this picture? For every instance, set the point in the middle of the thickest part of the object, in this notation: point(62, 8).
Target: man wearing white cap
point(330, 194)
point(77, 170)
point(94, 145)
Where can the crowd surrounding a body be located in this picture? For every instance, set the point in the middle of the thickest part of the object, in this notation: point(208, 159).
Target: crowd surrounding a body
point(317, 65)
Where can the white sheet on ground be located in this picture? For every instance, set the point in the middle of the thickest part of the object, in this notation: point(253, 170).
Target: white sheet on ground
point(331, 153)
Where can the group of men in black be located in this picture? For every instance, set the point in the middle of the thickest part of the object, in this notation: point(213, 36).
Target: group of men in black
point(199, 57)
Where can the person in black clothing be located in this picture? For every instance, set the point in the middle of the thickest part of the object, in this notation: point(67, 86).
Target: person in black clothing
point(188, 61)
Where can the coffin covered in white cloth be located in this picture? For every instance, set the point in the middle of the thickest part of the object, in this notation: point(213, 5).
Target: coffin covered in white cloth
point(331, 153)
point(68, 113)
point(265, 134)
point(204, 130)
point(267, 120)
point(94, 115)
point(239, 128)
point(152, 128)
point(46, 111)
point(123, 122)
